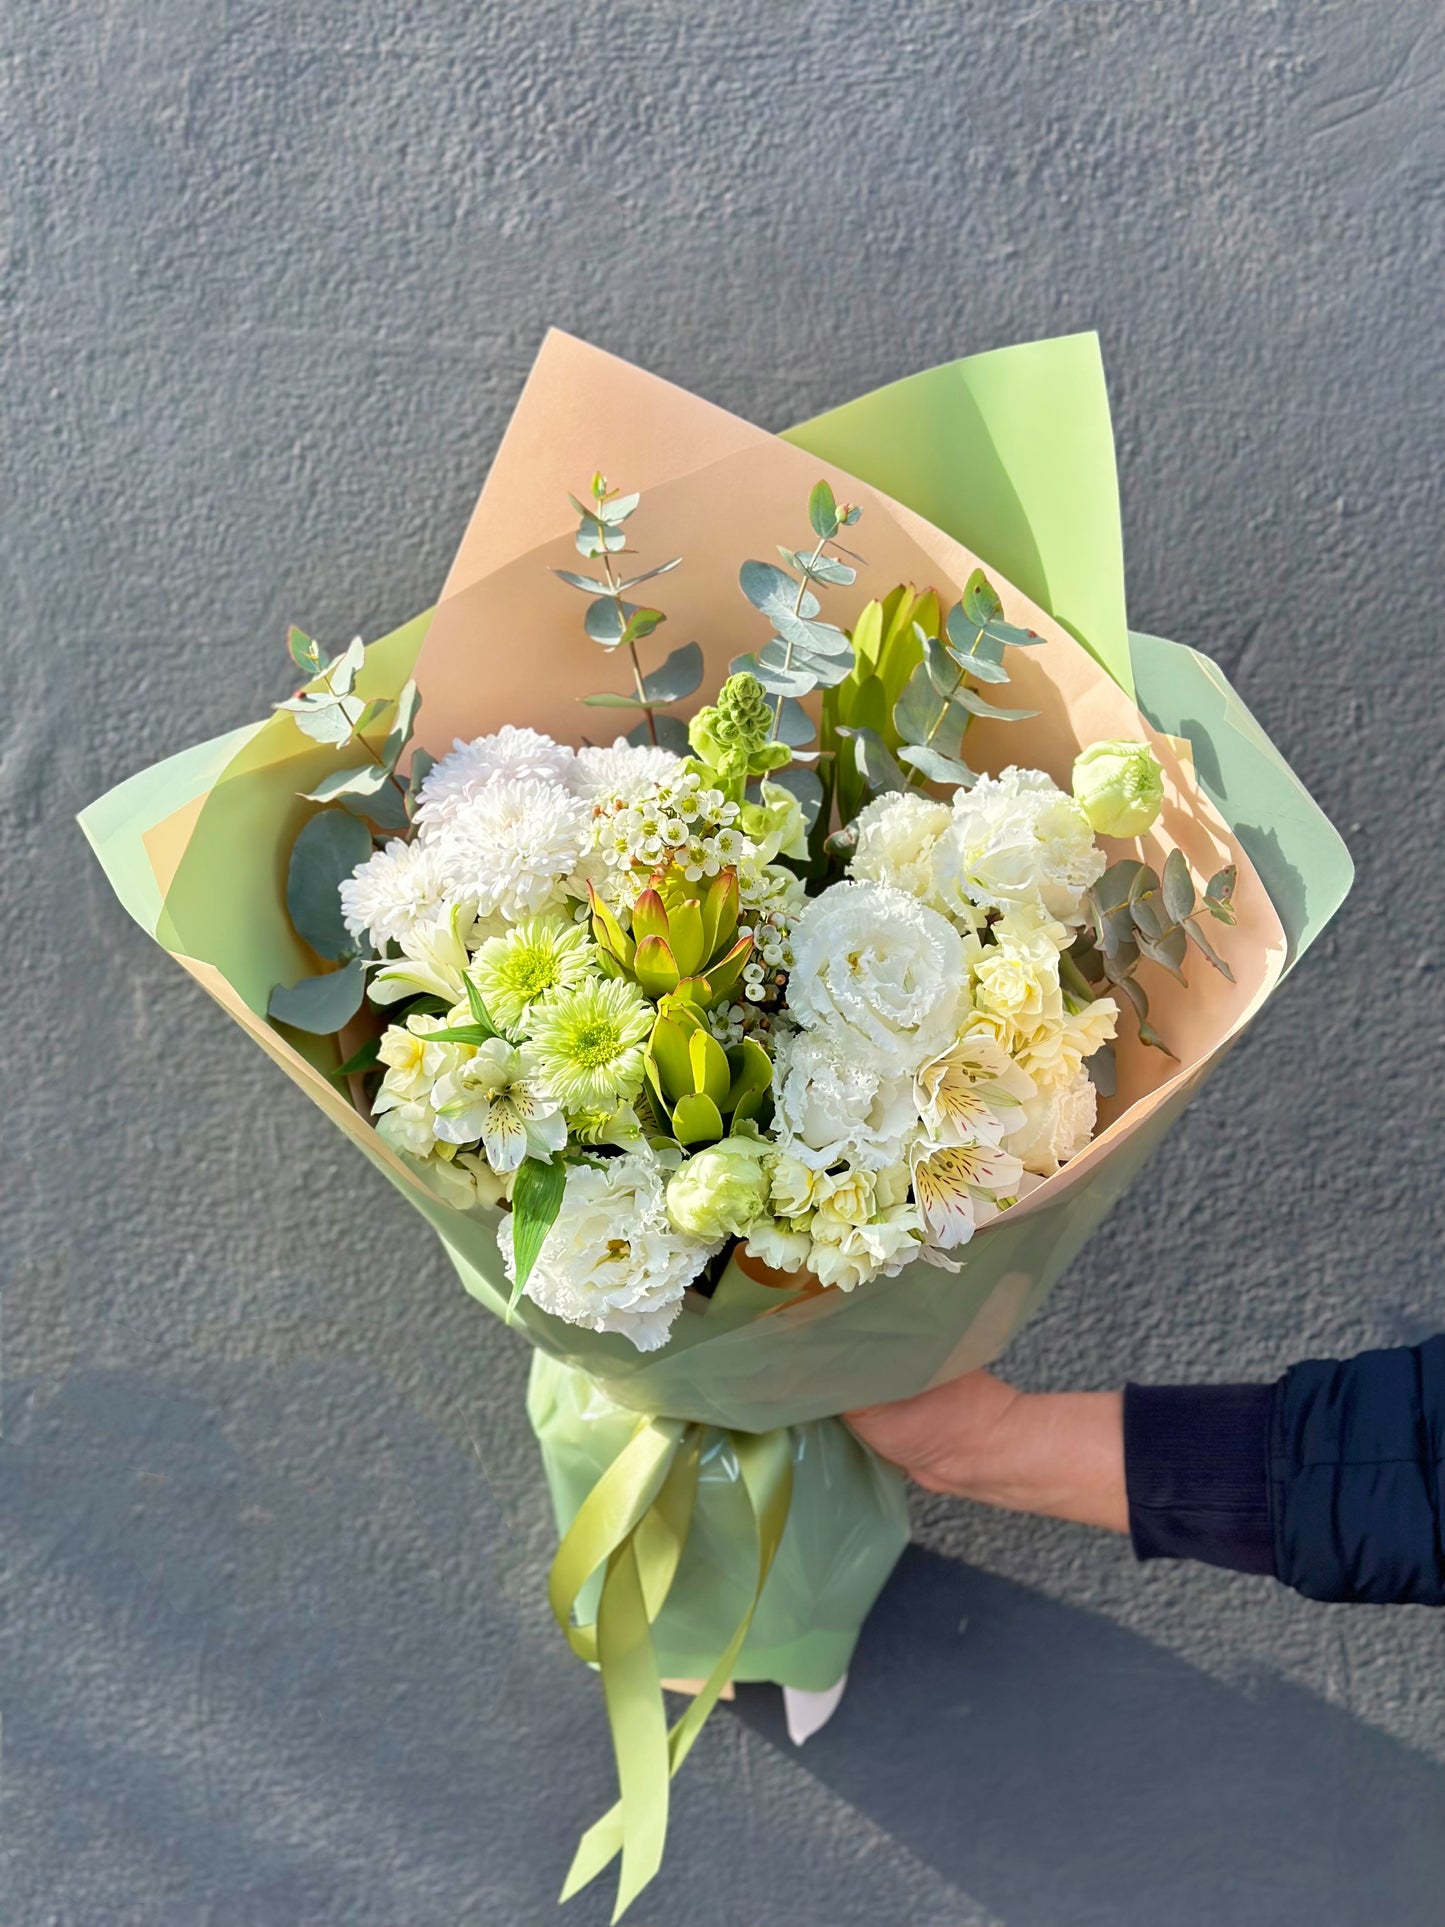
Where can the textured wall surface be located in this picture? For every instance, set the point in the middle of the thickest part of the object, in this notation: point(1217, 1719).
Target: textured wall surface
point(274, 1651)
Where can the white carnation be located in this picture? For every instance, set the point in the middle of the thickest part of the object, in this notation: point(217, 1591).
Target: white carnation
point(395, 891)
point(832, 1106)
point(471, 767)
point(896, 837)
point(613, 1261)
point(624, 770)
point(513, 847)
point(878, 970)
point(1058, 1122)
point(1017, 839)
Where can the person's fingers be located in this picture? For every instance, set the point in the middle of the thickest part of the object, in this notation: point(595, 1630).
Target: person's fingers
point(935, 1436)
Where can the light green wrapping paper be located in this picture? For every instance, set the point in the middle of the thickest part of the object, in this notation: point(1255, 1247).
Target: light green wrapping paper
point(1012, 453)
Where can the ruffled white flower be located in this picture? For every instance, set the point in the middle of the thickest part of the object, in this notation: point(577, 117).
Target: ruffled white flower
point(513, 848)
point(832, 1106)
point(612, 1260)
point(471, 767)
point(972, 1093)
point(466, 1181)
point(1056, 1053)
point(1058, 1122)
point(847, 1255)
point(958, 1187)
point(395, 891)
point(495, 1096)
point(782, 1247)
point(1017, 839)
point(1016, 977)
point(897, 834)
point(879, 971)
point(621, 770)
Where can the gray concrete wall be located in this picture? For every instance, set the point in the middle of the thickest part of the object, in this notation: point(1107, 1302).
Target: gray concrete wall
point(274, 1650)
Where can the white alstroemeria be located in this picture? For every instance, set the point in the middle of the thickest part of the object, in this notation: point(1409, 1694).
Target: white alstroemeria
point(880, 972)
point(466, 1181)
point(972, 1093)
point(434, 960)
point(495, 1096)
point(957, 1188)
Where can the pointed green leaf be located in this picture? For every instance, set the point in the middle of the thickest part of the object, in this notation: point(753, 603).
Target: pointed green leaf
point(822, 510)
point(403, 723)
point(1177, 887)
point(536, 1199)
point(935, 765)
point(1207, 949)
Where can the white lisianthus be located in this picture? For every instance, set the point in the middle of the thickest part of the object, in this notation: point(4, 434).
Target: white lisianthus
point(470, 768)
point(433, 962)
point(613, 1260)
point(972, 1093)
point(513, 848)
point(1058, 1122)
point(1056, 1053)
point(621, 771)
point(830, 1106)
point(721, 1190)
point(1017, 839)
point(896, 838)
point(958, 1187)
point(495, 1096)
point(397, 890)
point(878, 970)
point(1119, 786)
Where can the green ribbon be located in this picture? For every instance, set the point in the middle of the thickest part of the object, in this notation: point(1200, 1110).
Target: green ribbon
point(633, 1526)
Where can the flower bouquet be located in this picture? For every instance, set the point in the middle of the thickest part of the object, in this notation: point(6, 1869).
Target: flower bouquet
point(775, 1057)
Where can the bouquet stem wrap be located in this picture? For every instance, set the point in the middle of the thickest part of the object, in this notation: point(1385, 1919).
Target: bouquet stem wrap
point(718, 1520)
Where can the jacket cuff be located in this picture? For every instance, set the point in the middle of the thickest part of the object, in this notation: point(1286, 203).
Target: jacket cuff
point(1196, 1465)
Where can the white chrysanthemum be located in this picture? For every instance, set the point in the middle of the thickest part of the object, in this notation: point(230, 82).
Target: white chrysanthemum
point(394, 891)
point(831, 1105)
point(613, 1261)
point(874, 964)
point(513, 848)
point(1058, 1123)
point(510, 755)
point(621, 770)
point(1017, 839)
point(896, 837)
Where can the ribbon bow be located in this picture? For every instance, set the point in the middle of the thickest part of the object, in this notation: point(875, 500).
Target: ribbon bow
point(633, 1525)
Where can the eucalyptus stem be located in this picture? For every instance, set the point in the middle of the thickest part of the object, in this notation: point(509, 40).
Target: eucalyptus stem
point(823, 541)
point(631, 650)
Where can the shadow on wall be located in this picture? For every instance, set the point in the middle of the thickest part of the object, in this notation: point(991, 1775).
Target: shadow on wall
point(1062, 1770)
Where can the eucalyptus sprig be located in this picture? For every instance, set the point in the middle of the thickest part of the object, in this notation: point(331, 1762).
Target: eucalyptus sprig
point(804, 654)
point(1137, 914)
point(614, 623)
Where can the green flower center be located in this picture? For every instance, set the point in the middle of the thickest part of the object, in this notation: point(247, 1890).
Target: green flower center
point(532, 969)
point(594, 1042)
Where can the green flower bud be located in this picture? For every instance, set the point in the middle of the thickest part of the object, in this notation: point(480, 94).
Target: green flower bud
point(1119, 787)
point(721, 1191)
point(732, 738)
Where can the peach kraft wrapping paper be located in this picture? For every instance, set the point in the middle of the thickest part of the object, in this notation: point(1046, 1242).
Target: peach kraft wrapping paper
point(197, 850)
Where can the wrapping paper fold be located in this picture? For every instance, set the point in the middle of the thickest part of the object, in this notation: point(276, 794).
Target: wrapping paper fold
point(1004, 461)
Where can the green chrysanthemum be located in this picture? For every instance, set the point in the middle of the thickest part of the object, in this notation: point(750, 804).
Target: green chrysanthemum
point(542, 955)
point(588, 1043)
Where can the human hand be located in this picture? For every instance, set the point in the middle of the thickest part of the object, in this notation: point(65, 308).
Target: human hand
point(1060, 1454)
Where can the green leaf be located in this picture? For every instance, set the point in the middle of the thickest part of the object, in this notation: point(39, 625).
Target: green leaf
point(679, 676)
point(327, 850)
point(342, 674)
point(422, 765)
point(609, 699)
point(365, 1059)
point(305, 653)
point(403, 723)
point(943, 671)
point(937, 767)
point(874, 761)
point(976, 706)
point(920, 708)
point(795, 726)
point(325, 719)
point(1207, 949)
point(362, 780)
point(606, 620)
point(803, 783)
point(772, 591)
point(589, 584)
point(641, 623)
point(595, 538)
point(1116, 884)
point(321, 1005)
point(980, 603)
point(671, 734)
point(662, 568)
point(1177, 886)
point(536, 1200)
point(1103, 1070)
point(696, 1119)
point(481, 1016)
point(1168, 950)
point(618, 508)
point(825, 569)
point(1219, 893)
point(473, 1034)
point(823, 510)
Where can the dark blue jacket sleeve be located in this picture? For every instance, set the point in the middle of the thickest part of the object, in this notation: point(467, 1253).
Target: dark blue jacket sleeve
point(1333, 1479)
